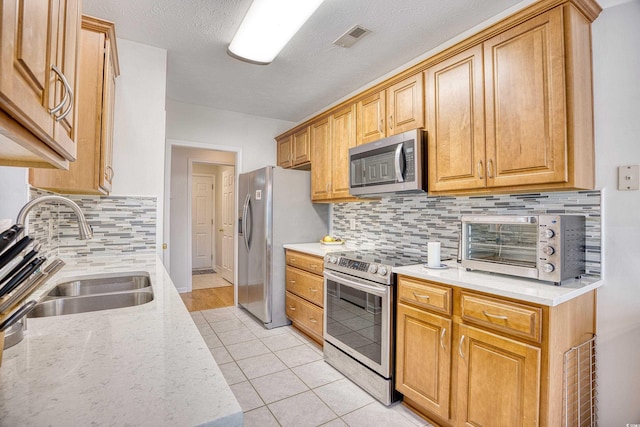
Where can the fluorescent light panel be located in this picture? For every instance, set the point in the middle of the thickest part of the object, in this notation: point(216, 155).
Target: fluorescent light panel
point(267, 28)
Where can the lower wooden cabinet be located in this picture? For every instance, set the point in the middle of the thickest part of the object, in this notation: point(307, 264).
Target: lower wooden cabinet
point(485, 360)
point(305, 293)
point(423, 358)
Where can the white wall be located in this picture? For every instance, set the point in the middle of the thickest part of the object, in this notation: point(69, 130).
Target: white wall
point(253, 134)
point(616, 62)
point(13, 191)
point(139, 125)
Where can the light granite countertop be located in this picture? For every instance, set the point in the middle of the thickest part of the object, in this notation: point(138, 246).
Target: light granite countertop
point(319, 249)
point(522, 289)
point(143, 365)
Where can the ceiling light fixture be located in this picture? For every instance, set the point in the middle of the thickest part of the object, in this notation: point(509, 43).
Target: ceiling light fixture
point(267, 28)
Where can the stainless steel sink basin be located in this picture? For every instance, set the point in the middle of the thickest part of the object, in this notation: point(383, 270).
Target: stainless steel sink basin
point(95, 293)
point(83, 304)
point(101, 284)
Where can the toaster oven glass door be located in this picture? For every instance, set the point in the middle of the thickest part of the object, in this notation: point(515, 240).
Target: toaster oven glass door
point(511, 244)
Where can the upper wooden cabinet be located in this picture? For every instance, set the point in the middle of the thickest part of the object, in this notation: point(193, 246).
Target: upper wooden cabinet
point(38, 49)
point(294, 150)
point(528, 123)
point(370, 118)
point(405, 105)
point(92, 172)
point(331, 139)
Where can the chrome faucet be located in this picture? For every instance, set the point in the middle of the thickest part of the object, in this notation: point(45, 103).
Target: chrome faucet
point(84, 228)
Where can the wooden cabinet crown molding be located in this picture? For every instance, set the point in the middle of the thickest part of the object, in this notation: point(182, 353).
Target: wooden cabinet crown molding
point(109, 29)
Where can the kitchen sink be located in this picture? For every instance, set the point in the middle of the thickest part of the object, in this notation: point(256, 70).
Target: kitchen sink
point(83, 304)
point(101, 284)
point(95, 293)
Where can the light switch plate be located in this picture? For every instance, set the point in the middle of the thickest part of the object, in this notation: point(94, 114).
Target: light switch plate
point(629, 177)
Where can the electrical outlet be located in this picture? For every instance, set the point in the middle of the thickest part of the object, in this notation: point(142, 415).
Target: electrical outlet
point(352, 224)
point(629, 177)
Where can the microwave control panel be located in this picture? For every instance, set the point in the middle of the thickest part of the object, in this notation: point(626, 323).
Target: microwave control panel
point(410, 155)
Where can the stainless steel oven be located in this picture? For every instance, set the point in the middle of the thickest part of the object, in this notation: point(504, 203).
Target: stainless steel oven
point(359, 320)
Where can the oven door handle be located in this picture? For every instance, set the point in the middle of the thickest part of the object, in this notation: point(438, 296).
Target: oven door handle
point(380, 291)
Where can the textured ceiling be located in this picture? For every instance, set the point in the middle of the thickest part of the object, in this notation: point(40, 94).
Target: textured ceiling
point(310, 73)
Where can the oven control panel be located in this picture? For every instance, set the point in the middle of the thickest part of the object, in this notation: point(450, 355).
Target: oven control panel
point(359, 268)
point(353, 265)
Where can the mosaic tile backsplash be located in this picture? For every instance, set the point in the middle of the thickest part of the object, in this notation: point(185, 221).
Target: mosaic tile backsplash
point(121, 225)
point(409, 222)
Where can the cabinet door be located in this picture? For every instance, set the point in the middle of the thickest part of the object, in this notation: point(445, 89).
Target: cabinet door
point(525, 103)
point(371, 118)
point(301, 147)
point(284, 152)
point(108, 107)
point(423, 358)
point(405, 105)
point(321, 154)
point(343, 137)
point(27, 43)
point(455, 122)
point(64, 132)
point(498, 380)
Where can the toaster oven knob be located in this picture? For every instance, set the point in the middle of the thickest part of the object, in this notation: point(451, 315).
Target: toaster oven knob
point(548, 233)
point(548, 250)
point(382, 271)
point(373, 269)
point(548, 268)
point(333, 259)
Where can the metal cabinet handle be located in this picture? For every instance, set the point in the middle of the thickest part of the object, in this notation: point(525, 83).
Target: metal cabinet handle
point(417, 295)
point(292, 308)
point(444, 331)
point(490, 168)
point(313, 266)
point(460, 347)
point(293, 282)
point(292, 259)
point(391, 121)
point(381, 127)
point(480, 170)
point(65, 98)
point(313, 321)
point(495, 316)
point(313, 290)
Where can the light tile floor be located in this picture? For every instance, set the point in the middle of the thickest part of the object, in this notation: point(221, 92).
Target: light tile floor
point(280, 379)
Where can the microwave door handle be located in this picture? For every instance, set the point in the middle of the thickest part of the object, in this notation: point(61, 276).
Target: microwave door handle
point(399, 170)
point(374, 290)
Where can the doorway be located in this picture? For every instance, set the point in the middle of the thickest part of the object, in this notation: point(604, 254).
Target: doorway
point(200, 224)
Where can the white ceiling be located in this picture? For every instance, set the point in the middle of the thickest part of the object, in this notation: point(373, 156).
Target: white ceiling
point(310, 73)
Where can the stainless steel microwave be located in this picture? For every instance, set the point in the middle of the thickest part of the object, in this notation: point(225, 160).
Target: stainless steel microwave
point(543, 247)
point(390, 165)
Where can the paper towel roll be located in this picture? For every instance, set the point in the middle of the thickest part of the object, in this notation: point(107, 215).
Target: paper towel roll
point(433, 254)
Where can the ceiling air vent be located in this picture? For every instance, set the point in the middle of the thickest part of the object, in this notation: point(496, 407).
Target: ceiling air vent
point(349, 38)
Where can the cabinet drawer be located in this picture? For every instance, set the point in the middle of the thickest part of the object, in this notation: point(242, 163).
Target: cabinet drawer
point(306, 262)
point(306, 285)
point(425, 294)
point(304, 314)
point(504, 316)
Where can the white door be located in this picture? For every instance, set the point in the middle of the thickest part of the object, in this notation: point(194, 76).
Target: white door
point(228, 218)
point(201, 221)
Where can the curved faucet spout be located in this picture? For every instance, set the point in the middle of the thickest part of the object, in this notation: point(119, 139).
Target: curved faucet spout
point(84, 229)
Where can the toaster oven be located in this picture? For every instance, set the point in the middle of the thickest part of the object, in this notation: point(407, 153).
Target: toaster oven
point(544, 247)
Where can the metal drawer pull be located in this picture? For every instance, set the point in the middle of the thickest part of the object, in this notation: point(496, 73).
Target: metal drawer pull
point(314, 290)
point(292, 259)
point(313, 321)
point(314, 266)
point(292, 308)
point(420, 295)
point(494, 316)
point(444, 331)
point(460, 347)
point(293, 282)
point(480, 170)
point(65, 98)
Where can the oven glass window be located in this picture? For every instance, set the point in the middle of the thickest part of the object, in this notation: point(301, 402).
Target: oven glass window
point(354, 317)
point(513, 244)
